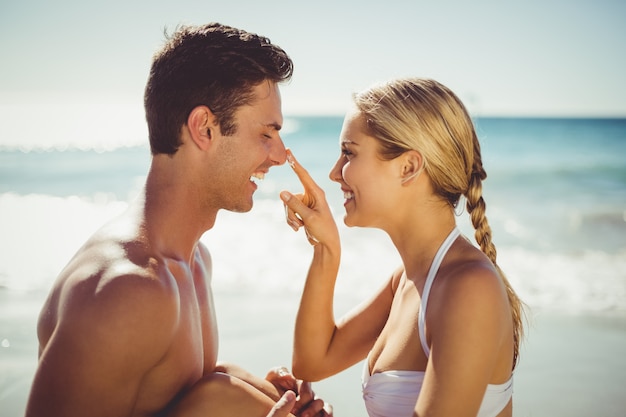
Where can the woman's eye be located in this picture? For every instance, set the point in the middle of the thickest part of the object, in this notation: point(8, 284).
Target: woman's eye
point(346, 153)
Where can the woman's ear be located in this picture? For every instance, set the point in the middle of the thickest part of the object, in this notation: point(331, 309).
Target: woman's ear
point(202, 125)
point(412, 165)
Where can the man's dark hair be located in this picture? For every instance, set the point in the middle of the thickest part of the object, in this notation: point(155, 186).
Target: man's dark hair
point(212, 65)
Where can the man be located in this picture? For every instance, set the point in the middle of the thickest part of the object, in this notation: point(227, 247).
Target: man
point(129, 328)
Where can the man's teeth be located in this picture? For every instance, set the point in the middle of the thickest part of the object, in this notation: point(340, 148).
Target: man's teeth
point(257, 176)
point(348, 195)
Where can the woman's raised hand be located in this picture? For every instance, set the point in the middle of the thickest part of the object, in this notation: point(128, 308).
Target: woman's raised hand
point(309, 209)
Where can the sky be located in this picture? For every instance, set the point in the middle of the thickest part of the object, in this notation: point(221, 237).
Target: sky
point(520, 58)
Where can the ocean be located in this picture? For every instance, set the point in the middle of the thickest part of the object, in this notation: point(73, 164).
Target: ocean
point(555, 195)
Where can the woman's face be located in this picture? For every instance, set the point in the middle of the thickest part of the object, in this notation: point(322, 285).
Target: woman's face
point(368, 182)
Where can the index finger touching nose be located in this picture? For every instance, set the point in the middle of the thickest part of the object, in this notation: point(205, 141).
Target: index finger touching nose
point(303, 174)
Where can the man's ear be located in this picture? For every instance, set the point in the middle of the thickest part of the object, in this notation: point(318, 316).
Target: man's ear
point(202, 125)
point(412, 165)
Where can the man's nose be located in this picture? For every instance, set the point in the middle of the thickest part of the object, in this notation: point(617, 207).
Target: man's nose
point(279, 153)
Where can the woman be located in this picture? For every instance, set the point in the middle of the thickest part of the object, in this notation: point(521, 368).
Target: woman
point(441, 336)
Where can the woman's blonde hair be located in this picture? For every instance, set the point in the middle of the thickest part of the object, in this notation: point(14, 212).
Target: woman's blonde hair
point(424, 115)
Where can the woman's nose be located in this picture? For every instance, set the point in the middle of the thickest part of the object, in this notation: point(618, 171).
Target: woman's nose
point(335, 173)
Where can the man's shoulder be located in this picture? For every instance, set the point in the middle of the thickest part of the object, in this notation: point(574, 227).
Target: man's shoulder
point(109, 272)
point(105, 295)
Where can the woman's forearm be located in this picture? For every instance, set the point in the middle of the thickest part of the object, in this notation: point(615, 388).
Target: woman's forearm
point(315, 322)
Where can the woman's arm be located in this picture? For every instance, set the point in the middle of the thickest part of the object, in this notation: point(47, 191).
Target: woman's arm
point(320, 353)
point(321, 346)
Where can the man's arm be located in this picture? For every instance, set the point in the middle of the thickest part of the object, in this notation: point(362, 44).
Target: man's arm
point(222, 395)
point(273, 391)
point(107, 337)
point(277, 382)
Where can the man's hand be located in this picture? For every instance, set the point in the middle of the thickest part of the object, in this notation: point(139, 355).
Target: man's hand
point(284, 406)
point(306, 405)
point(282, 379)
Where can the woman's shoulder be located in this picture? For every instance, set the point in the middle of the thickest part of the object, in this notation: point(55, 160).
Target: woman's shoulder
point(469, 281)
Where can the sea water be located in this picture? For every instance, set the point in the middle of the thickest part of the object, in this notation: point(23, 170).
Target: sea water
point(555, 195)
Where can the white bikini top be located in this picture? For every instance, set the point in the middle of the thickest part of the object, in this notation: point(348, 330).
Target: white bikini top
point(394, 393)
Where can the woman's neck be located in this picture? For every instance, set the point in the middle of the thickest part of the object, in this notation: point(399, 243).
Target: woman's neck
point(418, 236)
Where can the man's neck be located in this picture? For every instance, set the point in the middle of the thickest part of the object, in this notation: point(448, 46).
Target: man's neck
point(173, 216)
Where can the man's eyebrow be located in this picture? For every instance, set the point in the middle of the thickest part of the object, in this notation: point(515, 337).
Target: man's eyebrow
point(275, 126)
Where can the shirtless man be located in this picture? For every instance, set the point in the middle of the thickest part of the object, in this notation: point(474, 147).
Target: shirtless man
point(129, 328)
